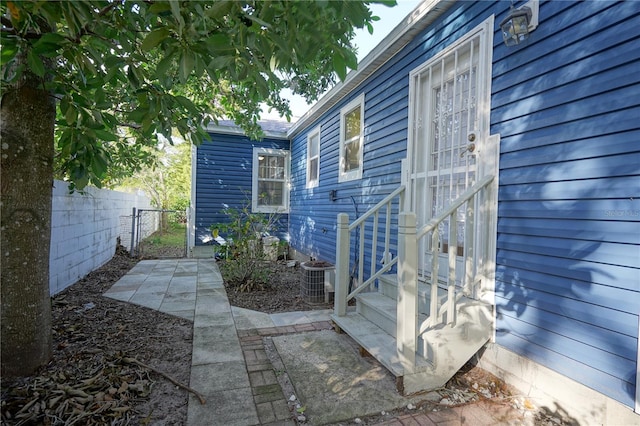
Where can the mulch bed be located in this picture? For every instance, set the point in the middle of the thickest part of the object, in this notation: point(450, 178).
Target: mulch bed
point(106, 362)
point(115, 362)
point(281, 295)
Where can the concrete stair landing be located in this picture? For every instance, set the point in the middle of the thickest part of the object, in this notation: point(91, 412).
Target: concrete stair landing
point(441, 350)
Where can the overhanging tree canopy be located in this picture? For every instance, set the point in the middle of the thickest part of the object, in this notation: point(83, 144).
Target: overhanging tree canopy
point(153, 65)
point(147, 67)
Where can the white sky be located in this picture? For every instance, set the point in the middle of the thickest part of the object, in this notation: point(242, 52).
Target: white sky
point(389, 18)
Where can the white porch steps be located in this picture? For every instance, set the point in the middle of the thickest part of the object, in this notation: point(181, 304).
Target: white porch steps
point(442, 350)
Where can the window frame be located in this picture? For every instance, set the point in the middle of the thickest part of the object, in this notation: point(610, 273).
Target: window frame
point(344, 176)
point(311, 181)
point(255, 179)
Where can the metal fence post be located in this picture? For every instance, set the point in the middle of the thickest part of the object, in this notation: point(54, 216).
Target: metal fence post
point(187, 237)
point(133, 230)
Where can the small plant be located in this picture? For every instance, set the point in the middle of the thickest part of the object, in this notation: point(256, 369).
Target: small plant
point(244, 266)
point(283, 250)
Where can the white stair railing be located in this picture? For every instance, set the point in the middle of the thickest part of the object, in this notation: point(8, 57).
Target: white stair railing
point(470, 287)
point(408, 329)
point(368, 234)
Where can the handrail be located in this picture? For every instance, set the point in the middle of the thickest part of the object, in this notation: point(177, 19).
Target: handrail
point(377, 207)
point(406, 261)
point(371, 234)
point(466, 195)
point(437, 311)
point(386, 268)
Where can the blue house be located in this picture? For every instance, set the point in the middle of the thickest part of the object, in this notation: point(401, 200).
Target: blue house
point(479, 194)
point(229, 172)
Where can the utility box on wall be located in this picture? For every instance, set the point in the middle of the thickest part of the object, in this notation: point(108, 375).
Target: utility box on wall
point(317, 281)
point(270, 248)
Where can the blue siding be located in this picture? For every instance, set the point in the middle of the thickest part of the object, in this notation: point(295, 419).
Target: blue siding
point(223, 179)
point(312, 215)
point(568, 276)
point(567, 107)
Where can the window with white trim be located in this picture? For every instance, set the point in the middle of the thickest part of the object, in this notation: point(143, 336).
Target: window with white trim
point(270, 188)
point(313, 158)
point(351, 140)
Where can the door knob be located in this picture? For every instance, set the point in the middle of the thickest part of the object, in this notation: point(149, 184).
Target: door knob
point(471, 147)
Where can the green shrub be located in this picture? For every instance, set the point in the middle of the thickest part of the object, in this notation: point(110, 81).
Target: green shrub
point(246, 274)
point(244, 266)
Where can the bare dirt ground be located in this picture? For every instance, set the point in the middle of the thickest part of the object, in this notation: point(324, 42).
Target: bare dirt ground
point(118, 363)
point(96, 375)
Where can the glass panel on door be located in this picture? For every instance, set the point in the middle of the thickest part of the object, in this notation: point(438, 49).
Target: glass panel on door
point(445, 154)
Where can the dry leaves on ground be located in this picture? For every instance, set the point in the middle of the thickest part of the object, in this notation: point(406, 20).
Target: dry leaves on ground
point(92, 378)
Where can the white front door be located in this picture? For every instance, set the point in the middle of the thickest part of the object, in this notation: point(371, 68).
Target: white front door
point(449, 142)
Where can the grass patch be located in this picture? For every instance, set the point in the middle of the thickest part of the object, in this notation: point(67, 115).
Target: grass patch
point(169, 242)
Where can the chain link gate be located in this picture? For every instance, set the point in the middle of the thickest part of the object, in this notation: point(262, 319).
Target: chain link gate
point(158, 233)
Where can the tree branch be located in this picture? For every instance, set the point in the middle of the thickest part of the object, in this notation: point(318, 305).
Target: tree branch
point(85, 29)
point(129, 360)
point(26, 36)
point(131, 125)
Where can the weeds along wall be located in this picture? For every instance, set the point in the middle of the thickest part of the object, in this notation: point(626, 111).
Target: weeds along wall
point(84, 230)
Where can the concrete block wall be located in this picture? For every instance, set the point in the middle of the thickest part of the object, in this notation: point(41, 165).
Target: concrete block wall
point(84, 230)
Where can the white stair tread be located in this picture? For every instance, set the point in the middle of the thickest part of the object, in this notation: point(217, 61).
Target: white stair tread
point(376, 341)
point(424, 289)
point(383, 304)
point(380, 302)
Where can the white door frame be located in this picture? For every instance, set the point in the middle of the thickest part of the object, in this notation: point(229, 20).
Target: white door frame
point(487, 146)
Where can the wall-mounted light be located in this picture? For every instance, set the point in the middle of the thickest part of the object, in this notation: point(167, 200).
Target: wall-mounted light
point(517, 25)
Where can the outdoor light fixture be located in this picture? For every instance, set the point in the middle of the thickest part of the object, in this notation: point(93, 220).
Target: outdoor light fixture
point(519, 23)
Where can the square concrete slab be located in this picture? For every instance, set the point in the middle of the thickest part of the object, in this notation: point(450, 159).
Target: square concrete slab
point(219, 377)
point(143, 267)
point(247, 319)
point(332, 380)
point(300, 317)
point(129, 282)
point(149, 300)
point(216, 352)
point(152, 285)
point(289, 318)
point(123, 296)
point(230, 408)
point(188, 314)
point(178, 302)
point(214, 334)
point(210, 319)
point(212, 304)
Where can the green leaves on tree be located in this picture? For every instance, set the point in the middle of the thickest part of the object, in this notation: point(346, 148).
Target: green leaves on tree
point(124, 72)
point(154, 38)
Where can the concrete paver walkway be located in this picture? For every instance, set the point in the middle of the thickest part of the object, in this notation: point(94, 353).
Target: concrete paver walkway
point(230, 366)
point(237, 381)
point(168, 286)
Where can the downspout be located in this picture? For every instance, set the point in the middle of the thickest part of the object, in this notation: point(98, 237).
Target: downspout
point(356, 260)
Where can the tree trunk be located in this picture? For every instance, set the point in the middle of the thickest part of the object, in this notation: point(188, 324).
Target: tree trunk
point(27, 118)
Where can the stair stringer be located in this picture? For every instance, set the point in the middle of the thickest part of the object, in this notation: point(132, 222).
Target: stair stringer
point(449, 348)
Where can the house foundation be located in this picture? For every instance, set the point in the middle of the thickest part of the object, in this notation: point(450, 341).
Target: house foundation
point(548, 390)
